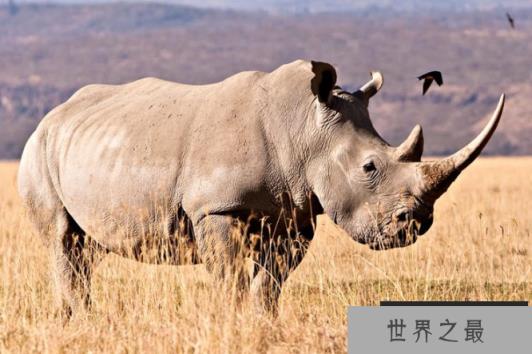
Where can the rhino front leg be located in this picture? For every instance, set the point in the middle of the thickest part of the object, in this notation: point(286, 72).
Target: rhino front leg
point(221, 248)
point(278, 258)
point(73, 257)
point(265, 291)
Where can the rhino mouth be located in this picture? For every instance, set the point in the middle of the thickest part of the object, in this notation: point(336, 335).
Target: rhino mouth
point(402, 237)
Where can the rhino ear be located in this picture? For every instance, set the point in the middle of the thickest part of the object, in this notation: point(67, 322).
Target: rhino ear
point(370, 88)
point(323, 81)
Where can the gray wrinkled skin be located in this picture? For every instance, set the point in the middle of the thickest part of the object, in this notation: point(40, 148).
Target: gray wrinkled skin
point(132, 168)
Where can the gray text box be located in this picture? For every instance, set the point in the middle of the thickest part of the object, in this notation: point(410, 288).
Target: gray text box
point(503, 329)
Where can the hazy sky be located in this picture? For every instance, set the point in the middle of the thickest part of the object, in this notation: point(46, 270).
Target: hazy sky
point(322, 5)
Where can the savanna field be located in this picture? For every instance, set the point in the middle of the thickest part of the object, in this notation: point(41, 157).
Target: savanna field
point(479, 248)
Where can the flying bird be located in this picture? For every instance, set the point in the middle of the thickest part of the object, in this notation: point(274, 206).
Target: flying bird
point(511, 20)
point(428, 78)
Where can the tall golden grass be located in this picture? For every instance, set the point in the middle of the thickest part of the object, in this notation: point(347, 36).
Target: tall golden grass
point(478, 249)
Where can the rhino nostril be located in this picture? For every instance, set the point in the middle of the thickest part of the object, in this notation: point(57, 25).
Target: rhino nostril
point(402, 216)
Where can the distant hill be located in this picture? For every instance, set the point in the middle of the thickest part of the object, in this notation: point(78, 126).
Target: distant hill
point(48, 51)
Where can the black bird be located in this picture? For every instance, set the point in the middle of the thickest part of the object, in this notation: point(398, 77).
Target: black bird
point(511, 20)
point(429, 77)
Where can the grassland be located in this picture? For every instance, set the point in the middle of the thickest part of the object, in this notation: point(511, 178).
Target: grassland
point(478, 249)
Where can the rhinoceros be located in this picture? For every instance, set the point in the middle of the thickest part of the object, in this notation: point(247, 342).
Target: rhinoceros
point(166, 172)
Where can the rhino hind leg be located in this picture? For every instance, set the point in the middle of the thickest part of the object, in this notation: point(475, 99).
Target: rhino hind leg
point(72, 254)
point(73, 258)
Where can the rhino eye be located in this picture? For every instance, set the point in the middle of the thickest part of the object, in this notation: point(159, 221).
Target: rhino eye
point(369, 167)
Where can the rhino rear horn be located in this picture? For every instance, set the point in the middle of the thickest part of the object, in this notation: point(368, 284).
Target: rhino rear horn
point(412, 148)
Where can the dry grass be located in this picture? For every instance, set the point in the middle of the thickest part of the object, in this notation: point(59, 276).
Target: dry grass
point(478, 249)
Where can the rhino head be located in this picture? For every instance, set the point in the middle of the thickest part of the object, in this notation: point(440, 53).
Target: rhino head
point(381, 195)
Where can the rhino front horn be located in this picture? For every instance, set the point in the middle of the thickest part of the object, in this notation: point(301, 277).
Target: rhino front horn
point(438, 175)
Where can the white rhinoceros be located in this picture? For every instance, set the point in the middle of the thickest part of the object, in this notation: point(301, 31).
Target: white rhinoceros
point(164, 172)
